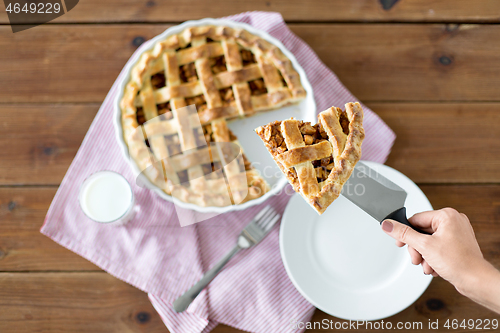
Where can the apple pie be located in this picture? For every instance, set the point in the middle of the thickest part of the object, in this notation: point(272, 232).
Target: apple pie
point(317, 159)
point(226, 73)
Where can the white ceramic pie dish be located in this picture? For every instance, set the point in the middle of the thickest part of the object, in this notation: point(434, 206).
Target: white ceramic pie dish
point(253, 147)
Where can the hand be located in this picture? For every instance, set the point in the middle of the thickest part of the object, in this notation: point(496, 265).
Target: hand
point(451, 251)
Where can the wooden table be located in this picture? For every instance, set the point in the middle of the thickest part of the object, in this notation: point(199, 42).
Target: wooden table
point(430, 69)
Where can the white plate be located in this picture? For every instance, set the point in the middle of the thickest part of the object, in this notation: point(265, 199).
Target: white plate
point(243, 128)
point(344, 264)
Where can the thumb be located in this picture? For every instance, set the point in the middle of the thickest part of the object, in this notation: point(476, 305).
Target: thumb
point(403, 233)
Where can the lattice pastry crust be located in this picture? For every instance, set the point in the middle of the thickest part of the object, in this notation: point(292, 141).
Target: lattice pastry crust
point(317, 159)
point(226, 73)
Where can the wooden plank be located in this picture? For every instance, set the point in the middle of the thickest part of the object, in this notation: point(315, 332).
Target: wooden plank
point(73, 302)
point(93, 11)
point(378, 62)
point(57, 63)
point(443, 143)
point(23, 248)
point(40, 141)
point(436, 142)
point(407, 62)
point(97, 302)
point(76, 302)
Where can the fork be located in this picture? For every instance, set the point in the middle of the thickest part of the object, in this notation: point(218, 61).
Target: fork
point(253, 233)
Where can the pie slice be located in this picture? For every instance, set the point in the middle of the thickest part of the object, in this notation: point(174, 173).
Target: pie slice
point(317, 159)
point(226, 73)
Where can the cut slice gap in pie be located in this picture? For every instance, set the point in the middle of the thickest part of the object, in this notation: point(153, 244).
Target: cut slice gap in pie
point(317, 159)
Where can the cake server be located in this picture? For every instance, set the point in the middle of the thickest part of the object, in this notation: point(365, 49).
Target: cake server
point(377, 195)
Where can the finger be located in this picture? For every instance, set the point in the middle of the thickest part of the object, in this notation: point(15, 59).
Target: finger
point(427, 269)
point(427, 221)
point(404, 234)
point(400, 244)
point(416, 258)
point(435, 274)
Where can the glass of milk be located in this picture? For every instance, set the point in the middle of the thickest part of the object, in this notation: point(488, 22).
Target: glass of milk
point(106, 197)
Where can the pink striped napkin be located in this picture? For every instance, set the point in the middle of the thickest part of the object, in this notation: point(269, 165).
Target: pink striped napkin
point(156, 255)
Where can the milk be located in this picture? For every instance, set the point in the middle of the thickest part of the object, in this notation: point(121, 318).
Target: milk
point(106, 196)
